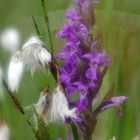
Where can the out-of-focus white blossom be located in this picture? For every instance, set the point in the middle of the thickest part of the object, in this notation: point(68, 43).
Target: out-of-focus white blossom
point(137, 137)
point(114, 138)
point(59, 109)
point(15, 71)
point(4, 132)
point(10, 40)
point(34, 54)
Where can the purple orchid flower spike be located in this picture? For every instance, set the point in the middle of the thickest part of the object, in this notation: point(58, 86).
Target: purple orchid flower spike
point(84, 66)
point(83, 60)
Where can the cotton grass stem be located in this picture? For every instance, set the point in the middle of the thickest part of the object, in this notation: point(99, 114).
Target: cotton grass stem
point(46, 17)
point(18, 105)
point(35, 24)
point(74, 131)
point(48, 25)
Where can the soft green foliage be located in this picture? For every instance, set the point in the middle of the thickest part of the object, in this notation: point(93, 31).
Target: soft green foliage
point(119, 21)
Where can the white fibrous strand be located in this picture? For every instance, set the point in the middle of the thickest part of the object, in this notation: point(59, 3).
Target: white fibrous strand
point(4, 132)
point(59, 109)
point(15, 71)
point(34, 54)
point(43, 57)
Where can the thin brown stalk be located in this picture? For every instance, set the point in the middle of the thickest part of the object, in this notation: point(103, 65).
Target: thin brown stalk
point(35, 24)
point(46, 17)
point(17, 104)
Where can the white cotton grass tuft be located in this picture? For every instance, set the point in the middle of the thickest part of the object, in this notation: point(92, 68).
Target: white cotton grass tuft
point(43, 57)
point(114, 138)
point(34, 54)
point(136, 137)
point(4, 132)
point(43, 106)
point(59, 109)
point(54, 108)
point(15, 71)
point(10, 40)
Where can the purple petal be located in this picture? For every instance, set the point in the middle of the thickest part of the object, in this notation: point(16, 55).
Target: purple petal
point(72, 14)
point(119, 100)
point(113, 102)
point(82, 103)
point(104, 59)
point(71, 90)
point(93, 73)
point(69, 136)
point(88, 56)
point(73, 59)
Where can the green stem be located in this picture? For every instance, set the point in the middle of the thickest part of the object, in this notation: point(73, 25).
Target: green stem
point(46, 17)
point(74, 131)
point(53, 67)
point(48, 25)
point(18, 105)
point(36, 27)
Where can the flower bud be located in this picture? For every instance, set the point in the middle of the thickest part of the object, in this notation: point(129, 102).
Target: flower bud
point(15, 71)
point(85, 8)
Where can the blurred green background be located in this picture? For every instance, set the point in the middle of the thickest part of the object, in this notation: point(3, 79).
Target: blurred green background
point(119, 21)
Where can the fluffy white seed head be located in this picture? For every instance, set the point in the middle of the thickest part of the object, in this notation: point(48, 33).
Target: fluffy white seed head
point(43, 106)
point(33, 41)
point(43, 57)
point(4, 132)
point(10, 40)
point(54, 108)
point(59, 108)
point(15, 71)
point(34, 54)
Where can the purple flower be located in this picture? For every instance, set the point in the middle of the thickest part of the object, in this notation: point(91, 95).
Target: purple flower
point(114, 102)
point(73, 15)
point(82, 60)
point(84, 64)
